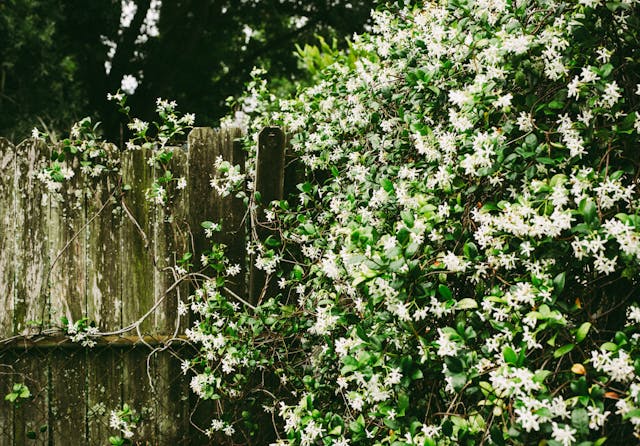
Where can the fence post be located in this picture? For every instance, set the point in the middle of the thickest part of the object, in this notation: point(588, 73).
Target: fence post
point(270, 185)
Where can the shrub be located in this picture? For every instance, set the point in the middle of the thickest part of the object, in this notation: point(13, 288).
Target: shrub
point(460, 265)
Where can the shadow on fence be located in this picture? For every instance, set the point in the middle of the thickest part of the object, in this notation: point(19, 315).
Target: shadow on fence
point(107, 256)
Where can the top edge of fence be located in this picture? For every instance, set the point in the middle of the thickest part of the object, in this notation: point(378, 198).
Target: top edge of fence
point(236, 132)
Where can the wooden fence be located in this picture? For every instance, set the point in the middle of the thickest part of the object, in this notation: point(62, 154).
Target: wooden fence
point(103, 255)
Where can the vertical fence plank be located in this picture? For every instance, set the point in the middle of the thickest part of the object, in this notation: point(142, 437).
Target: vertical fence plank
point(7, 238)
point(270, 185)
point(137, 392)
point(7, 281)
point(138, 290)
point(68, 402)
point(32, 263)
point(203, 206)
point(104, 281)
point(137, 240)
point(104, 261)
point(172, 397)
point(233, 211)
point(32, 415)
point(205, 145)
point(68, 293)
point(68, 246)
point(170, 241)
point(104, 378)
point(31, 238)
point(7, 359)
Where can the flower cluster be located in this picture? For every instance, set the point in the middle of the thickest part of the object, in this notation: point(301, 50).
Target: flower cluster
point(83, 152)
point(125, 421)
point(82, 331)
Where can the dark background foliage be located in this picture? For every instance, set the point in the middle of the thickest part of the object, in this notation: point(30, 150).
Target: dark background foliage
point(52, 55)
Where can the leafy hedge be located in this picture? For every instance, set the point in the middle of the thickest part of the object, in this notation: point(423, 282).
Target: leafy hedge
point(460, 265)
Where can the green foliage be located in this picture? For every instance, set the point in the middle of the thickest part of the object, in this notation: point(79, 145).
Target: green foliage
point(459, 264)
point(19, 393)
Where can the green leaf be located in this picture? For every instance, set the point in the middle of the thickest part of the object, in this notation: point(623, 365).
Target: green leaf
point(444, 291)
point(635, 413)
point(509, 355)
point(531, 140)
point(470, 250)
point(403, 403)
point(582, 332)
point(541, 375)
point(362, 334)
point(556, 105)
point(272, 242)
point(588, 210)
point(116, 441)
point(407, 218)
point(563, 350)
point(466, 304)
point(559, 281)
point(580, 420)
point(357, 426)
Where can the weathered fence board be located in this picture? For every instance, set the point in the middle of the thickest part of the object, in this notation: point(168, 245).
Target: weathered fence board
point(270, 185)
point(68, 408)
point(104, 391)
point(30, 417)
point(31, 235)
point(68, 247)
point(104, 265)
point(109, 254)
point(170, 242)
point(137, 241)
point(7, 360)
point(7, 236)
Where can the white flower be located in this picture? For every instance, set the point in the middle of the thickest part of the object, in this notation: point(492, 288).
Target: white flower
point(564, 434)
point(611, 94)
point(233, 270)
point(525, 122)
point(129, 84)
point(115, 97)
point(527, 419)
point(217, 425)
point(503, 101)
point(454, 263)
point(633, 315)
point(596, 417)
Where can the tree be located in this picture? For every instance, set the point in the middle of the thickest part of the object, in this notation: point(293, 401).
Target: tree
point(53, 66)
